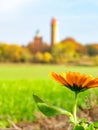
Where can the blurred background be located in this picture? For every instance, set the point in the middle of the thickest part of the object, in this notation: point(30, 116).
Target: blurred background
point(49, 32)
point(42, 36)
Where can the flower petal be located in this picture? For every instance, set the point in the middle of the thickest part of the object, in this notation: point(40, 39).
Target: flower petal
point(93, 84)
point(87, 80)
point(81, 80)
point(75, 78)
point(68, 78)
point(58, 78)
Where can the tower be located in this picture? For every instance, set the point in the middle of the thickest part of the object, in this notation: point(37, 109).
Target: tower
point(38, 37)
point(38, 42)
point(53, 31)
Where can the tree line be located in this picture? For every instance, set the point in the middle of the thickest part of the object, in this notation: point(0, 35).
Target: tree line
point(67, 51)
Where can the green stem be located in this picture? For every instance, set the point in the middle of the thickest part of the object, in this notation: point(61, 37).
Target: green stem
point(75, 109)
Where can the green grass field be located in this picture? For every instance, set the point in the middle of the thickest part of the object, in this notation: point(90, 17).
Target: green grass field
point(19, 82)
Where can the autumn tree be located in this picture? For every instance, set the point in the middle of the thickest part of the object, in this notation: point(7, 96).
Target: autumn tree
point(38, 57)
point(62, 53)
point(47, 57)
point(92, 49)
point(14, 53)
point(26, 55)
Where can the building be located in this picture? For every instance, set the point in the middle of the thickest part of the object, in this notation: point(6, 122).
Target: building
point(38, 45)
point(53, 31)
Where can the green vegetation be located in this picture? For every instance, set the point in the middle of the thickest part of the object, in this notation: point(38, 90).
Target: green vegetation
point(68, 51)
point(19, 82)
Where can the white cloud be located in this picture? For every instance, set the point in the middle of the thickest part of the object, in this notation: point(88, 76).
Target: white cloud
point(7, 6)
point(10, 5)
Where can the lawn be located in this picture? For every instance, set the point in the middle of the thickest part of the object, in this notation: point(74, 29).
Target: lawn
point(35, 72)
point(19, 82)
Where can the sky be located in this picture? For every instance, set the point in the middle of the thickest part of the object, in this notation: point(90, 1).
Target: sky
point(20, 19)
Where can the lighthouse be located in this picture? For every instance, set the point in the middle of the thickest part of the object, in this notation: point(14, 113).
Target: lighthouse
point(53, 31)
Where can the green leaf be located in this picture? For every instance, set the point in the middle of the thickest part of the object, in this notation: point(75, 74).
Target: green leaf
point(49, 110)
point(95, 124)
point(37, 99)
point(82, 120)
point(91, 127)
point(78, 127)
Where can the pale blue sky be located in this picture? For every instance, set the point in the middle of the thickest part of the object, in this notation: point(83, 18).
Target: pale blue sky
point(19, 20)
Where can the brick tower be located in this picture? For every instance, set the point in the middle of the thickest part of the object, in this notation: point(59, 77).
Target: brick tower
point(37, 43)
point(53, 31)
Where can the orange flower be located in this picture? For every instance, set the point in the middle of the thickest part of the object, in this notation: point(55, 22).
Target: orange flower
point(75, 81)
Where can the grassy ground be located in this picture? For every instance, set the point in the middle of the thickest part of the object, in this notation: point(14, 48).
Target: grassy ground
point(18, 72)
point(19, 82)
